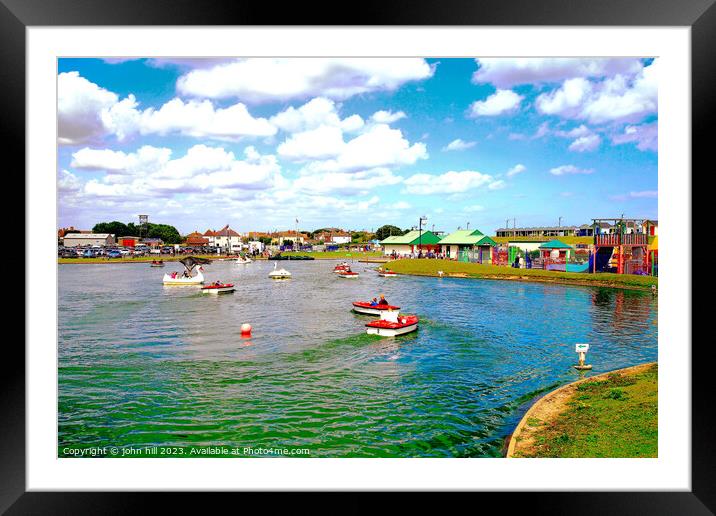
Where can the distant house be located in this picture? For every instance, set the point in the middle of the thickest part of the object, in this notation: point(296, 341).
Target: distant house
point(225, 238)
point(341, 238)
point(153, 242)
point(196, 239)
point(84, 239)
point(468, 245)
point(292, 236)
point(411, 243)
point(538, 231)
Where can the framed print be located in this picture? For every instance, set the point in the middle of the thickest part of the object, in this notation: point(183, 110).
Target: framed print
point(436, 250)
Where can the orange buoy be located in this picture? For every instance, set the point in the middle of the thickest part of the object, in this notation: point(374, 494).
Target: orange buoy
point(246, 330)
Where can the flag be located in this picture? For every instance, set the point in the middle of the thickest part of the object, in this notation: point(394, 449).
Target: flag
point(296, 221)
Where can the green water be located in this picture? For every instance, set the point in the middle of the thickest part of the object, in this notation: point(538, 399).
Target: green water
point(142, 365)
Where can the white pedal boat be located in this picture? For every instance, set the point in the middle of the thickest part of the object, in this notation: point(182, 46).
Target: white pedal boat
point(364, 307)
point(391, 324)
point(279, 273)
point(176, 279)
point(245, 259)
point(223, 288)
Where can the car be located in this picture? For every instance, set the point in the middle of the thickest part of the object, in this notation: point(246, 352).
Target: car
point(114, 253)
point(88, 253)
point(125, 252)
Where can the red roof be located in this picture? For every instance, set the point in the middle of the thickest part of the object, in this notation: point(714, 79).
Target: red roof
point(227, 231)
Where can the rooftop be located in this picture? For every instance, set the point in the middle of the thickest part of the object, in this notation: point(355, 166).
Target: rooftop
point(413, 238)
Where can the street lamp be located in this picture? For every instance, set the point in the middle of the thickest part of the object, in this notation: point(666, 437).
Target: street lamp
point(420, 231)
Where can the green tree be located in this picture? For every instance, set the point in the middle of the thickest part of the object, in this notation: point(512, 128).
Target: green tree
point(384, 232)
point(115, 227)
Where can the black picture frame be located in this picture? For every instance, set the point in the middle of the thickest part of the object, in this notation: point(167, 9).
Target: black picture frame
point(17, 15)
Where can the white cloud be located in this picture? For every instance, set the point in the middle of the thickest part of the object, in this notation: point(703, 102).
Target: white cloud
point(68, 182)
point(449, 182)
point(474, 208)
point(585, 143)
point(201, 119)
point(569, 169)
point(644, 194)
point(317, 112)
point(87, 113)
point(257, 80)
point(387, 117)
point(517, 169)
point(645, 136)
point(506, 73)
point(344, 183)
point(378, 146)
point(620, 98)
point(80, 104)
point(458, 145)
point(150, 171)
point(502, 101)
point(323, 142)
point(401, 205)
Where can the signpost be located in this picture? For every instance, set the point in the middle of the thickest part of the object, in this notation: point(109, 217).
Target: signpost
point(582, 349)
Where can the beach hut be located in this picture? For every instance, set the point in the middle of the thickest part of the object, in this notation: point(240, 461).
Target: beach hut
point(468, 245)
point(555, 251)
point(411, 243)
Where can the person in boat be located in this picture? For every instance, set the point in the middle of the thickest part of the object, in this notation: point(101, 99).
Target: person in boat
point(374, 302)
point(382, 301)
point(174, 275)
point(186, 274)
point(217, 283)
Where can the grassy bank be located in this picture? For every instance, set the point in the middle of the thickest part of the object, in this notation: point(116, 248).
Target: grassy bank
point(610, 416)
point(335, 255)
point(476, 270)
point(133, 259)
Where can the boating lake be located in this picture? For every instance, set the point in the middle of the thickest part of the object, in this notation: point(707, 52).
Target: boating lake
point(141, 364)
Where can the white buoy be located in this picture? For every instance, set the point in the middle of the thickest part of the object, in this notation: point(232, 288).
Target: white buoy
point(246, 330)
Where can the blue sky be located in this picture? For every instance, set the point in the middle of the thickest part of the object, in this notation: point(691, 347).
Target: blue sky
point(356, 143)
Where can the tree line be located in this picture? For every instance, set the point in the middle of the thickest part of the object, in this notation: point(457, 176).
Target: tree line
point(167, 233)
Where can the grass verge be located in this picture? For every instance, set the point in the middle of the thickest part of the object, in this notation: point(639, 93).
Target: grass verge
point(451, 268)
point(613, 416)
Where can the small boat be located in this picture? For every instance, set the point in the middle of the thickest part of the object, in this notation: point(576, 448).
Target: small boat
point(391, 324)
point(243, 259)
point(175, 279)
point(341, 267)
point(387, 274)
point(157, 263)
point(364, 307)
point(349, 274)
point(218, 288)
point(279, 273)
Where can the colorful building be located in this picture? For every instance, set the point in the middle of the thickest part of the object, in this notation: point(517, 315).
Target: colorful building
point(555, 251)
point(468, 245)
point(411, 243)
point(626, 249)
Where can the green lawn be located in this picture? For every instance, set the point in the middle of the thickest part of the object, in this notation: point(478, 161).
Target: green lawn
point(427, 267)
point(612, 417)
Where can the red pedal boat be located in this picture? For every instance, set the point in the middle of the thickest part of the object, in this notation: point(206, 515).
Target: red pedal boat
point(349, 274)
point(364, 307)
point(391, 324)
point(222, 288)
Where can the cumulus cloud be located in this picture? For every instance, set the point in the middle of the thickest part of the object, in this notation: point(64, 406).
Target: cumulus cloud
point(67, 182)
point(449, 182)
point(517, 169)
point(344, 183)
point(378, 146)
point(645, 136)
point(619, 98)
point(474, 208)
point(387, 117)
point(317, 112)
point(87, 113)
point(585, 143)
point(458, 145)
point(506, 73)
point(151, 171)
point(502, 101)
point(80, 104)
point(569, 169)
point(257, 80)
